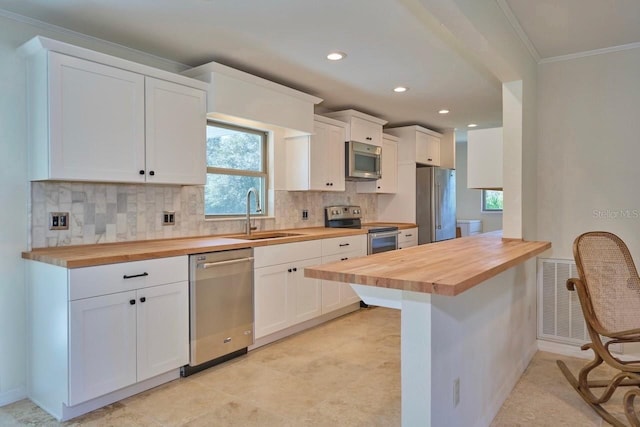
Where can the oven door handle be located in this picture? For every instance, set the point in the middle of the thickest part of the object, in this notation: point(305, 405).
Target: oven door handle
point(384, 234)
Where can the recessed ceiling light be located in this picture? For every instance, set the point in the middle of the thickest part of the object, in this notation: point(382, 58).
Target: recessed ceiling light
point(471, 125)
point(443, 112)
point(336, 56)
point(400, 89)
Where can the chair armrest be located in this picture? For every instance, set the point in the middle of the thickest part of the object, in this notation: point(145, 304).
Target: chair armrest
point(572, 282)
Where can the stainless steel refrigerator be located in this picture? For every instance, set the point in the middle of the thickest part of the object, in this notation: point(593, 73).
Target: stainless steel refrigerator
point(435, 204)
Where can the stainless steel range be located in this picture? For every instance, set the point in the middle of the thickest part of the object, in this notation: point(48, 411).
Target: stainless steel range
point(380, 238)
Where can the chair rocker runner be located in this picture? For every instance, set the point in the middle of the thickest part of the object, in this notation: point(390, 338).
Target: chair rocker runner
point(609, 294)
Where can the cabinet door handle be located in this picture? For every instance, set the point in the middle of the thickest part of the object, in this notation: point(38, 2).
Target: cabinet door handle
point(343, 259)
point(343, 244)
point(135, 275)
point(369, 138)
point(431, 160)
point(132, 302)
point(141, 172)
point(328, 184)
point(408, 235)
point(143, 299)
point(295, 269)
point(153, 173)
point(290, 270)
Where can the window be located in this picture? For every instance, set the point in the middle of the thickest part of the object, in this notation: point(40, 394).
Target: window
point(236, 162)
point(491, 201)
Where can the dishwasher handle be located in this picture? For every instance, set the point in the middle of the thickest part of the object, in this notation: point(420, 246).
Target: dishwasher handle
point(206, 265)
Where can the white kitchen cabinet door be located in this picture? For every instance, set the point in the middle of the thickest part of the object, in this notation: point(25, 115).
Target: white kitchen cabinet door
point(306, 293)
point(389, 181)
point(163, 329)
point(427, 149)
point(102, 345)
point(365, 131)
point(175, 133)
point(316, 162)
point(96, 123)
point(272, 304)
point(326, 160)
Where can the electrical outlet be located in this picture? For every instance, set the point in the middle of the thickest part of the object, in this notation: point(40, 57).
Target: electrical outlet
point(456, 392)
point(58, 220)
point(305, 214)
point(168, 218)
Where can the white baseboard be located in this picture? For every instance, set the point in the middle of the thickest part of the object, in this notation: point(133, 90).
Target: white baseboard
point(506, 388)
point(14, 395)
point(564, 349)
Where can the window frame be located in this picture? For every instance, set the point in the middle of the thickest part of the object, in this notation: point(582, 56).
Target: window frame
point(263, 173)
point(484, 202)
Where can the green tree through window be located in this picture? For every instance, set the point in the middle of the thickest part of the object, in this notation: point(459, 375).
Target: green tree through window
point(236, 161)
point(491, 201)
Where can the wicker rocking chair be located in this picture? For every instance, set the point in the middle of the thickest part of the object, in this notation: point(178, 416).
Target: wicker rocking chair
point(609, 294)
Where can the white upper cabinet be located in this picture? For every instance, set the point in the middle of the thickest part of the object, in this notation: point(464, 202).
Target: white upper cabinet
point(389, 181)
point(316, 162)
point(417, 145)
point(362, 127)
point(175, 133)
point(93, 117)
point(427, 149)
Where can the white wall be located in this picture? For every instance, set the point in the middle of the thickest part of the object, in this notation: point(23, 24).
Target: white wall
point(469, 201)
point(14, 189)
point(482, 337)
point(589, 149)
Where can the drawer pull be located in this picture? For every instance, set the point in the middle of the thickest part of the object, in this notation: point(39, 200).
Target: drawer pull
point(135, 275)
point(143, 299)
point(343, 244)
point(132, 302)
point(408, 235)
point(343, 259)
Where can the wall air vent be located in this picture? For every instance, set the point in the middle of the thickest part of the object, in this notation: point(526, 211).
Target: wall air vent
point(559, 313)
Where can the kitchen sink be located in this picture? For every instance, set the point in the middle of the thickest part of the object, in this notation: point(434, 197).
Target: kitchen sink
point(262, 236)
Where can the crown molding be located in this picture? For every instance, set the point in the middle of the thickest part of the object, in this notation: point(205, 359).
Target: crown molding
point(508, 13)
point(604, 50)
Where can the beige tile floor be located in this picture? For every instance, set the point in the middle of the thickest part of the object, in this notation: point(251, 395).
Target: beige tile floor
point(344, 373)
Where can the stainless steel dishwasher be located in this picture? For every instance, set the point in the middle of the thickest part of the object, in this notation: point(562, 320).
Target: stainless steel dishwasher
point(220, 307)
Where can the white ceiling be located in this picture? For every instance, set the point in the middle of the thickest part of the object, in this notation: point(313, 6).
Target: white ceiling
point(387, 45)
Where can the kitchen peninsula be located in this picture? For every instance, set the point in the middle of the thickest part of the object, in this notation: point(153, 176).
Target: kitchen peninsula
point(451, 295)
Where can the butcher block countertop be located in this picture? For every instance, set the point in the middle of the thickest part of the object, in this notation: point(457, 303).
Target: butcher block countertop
point(444, 268)
point(110, 253)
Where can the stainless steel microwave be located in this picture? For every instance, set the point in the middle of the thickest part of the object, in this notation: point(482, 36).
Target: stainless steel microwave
point(362, 161)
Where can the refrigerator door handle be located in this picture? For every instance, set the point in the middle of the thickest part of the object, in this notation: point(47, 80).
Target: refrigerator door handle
point(438, 213)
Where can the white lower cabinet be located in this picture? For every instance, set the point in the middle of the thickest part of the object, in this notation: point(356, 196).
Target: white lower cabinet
point(408, 238)
point(283, 296)
point(120, 339)
point(97, 330)
point(336, 295)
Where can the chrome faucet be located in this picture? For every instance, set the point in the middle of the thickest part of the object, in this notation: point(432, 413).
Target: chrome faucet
point(258, 209)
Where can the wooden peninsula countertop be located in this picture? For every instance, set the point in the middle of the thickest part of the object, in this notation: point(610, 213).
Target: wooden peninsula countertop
point(109, 253)
point(445, 268)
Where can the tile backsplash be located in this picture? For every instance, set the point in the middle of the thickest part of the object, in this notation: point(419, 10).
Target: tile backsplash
point(101, 213)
